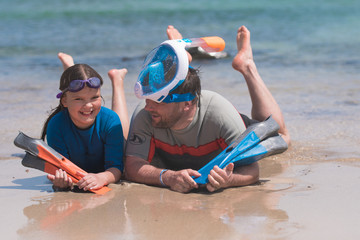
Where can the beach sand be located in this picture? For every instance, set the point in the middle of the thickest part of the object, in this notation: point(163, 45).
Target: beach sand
point(299, 196)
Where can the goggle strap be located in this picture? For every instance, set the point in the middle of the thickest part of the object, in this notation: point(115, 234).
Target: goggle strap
point(59, 95)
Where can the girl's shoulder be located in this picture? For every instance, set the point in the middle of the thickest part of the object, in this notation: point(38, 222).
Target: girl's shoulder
point(60, 118)
point(107, 113)
point(108, 116)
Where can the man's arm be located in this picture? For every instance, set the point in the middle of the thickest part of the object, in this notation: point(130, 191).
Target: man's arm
point(139, 170)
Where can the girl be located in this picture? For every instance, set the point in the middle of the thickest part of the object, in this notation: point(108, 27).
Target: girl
point(80, 129)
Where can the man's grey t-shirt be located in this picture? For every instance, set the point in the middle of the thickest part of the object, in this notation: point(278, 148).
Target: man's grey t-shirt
point(215, 125)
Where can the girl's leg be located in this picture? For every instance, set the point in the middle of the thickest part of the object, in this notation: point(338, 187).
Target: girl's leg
point(117, 77)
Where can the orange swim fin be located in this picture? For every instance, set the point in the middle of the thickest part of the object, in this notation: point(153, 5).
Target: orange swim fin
point(41, 156)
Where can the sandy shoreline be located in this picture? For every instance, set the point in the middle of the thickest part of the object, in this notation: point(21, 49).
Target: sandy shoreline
point(297, 198)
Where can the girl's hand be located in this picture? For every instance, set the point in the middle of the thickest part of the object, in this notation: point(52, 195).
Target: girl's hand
point(61, 179)
point(91, 181)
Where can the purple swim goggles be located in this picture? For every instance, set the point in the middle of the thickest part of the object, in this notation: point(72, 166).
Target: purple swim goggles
point(77, 85)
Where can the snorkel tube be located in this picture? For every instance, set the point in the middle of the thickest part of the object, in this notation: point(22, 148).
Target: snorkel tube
point(209, 44)
point(166, 67)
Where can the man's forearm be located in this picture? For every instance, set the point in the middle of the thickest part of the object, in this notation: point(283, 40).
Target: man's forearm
point(245, 175)
point(139, 170)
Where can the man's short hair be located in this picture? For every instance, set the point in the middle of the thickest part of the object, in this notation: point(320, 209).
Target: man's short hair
point(191, 84)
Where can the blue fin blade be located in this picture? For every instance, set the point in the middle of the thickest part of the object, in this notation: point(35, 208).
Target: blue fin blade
point(225, 156)
point(252, 135)
point(267, 147)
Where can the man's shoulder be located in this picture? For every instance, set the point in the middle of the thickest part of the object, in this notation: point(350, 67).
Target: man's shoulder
point(139, 110)
point(214, 101)
point(140, 115)
point(209, 94)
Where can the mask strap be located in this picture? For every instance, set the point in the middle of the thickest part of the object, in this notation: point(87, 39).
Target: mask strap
point(178, 97)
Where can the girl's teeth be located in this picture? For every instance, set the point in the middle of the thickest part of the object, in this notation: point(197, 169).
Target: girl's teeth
point(86, 113)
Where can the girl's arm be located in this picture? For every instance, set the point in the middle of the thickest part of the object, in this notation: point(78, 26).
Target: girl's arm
point(98, 180)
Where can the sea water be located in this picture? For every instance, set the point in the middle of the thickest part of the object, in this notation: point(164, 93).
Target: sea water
point(307, 52)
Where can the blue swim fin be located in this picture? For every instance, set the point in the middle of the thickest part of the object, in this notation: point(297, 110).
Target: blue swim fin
point(254, 134)
point(267, 147)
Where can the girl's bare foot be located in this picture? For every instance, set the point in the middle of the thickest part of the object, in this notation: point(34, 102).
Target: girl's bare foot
point(66, 60)
point(117, 77)
point(244, 58)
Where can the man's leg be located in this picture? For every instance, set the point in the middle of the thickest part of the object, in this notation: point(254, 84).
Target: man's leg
point(263, 103)
point(173, 34)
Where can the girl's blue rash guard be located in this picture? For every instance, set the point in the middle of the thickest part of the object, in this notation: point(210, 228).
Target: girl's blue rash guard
point(94, 149)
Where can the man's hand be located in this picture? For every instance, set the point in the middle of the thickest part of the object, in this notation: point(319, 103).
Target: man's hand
point(220, 178)
point(181, 181)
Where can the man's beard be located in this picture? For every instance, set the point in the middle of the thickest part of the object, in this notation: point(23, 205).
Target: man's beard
point(167, 123)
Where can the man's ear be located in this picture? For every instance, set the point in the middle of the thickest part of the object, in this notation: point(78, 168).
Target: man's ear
point(187, 105)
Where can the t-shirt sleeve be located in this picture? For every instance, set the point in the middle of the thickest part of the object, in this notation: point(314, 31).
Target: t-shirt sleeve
point(140, 134)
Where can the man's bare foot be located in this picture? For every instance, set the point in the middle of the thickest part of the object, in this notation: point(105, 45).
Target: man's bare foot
point(117, 77)
point(66, 60)
point(244, 57)
point(174, 34)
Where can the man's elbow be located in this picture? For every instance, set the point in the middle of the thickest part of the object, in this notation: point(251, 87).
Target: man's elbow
point(128, 172)
point(255, 173)
point(287, 139)
point(131, 169)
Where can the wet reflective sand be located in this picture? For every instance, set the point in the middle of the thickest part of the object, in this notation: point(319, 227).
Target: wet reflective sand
point(295, 199)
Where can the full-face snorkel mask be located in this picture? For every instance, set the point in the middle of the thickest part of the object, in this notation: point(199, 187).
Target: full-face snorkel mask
point(164, 69)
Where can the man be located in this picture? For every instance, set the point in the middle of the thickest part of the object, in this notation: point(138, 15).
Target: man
point(170, 140)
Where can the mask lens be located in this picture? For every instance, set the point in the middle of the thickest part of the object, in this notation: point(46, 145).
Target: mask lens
point(160, 68)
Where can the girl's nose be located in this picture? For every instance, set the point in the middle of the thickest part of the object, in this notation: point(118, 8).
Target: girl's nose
point(88, 104)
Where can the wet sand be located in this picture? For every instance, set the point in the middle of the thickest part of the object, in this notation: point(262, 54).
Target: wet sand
point(299, 196)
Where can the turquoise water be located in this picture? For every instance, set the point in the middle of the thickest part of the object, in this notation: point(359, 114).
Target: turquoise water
point(308, 53)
